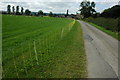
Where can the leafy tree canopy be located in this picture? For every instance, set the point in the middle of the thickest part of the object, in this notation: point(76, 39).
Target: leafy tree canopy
point(51, 14)
point(112, 12)
point(87, 8)
point(27, 12)
point(40, 12)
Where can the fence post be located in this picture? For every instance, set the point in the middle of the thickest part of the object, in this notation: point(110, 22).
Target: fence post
point(39, 40)
point(68, 27)
point(47, 41)
point(30, 54)
point(62, 33)
point(43, 44)
point(35, 52)
point(15, 64)
point(24, 60)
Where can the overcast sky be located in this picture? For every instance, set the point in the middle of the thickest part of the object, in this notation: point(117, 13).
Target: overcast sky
point(56, 6)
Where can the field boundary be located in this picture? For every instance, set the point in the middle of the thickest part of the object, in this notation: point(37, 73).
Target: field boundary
point(0, 46)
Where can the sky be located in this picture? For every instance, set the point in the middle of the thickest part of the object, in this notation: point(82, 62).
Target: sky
point(56, 6)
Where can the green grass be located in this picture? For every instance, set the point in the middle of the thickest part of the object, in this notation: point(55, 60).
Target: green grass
point(72, 63)
point(113, 34)
point(57, 41)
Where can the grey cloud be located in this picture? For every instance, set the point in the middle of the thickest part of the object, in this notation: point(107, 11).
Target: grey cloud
point(56, 7)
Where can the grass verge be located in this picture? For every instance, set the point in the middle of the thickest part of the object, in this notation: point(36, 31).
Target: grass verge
point(70, 59)
point(67, 59)
point(113, 34)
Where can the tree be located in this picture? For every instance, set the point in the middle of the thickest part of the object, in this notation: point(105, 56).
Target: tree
point(67, 13)
point(93, 4)
point(87, 9)
point(93, 7)
point(17, 10)
point(27, 12)
point(13, 10)
point(112, 12)
point(50, 14)
point(22, 10)
point(119, 3)
point(8, 9)
point(40, 12)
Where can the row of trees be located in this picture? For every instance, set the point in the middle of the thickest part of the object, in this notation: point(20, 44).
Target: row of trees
point(27, 11)
point(13, 10)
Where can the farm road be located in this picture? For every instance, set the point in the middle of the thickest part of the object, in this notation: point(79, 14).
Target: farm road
point(101, 51)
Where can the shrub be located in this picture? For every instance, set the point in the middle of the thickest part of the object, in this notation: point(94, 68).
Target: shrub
point(107, 23)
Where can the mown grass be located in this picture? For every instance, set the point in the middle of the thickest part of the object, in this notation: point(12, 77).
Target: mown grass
point(19, 31)
point(58, 42)
point(109, 26)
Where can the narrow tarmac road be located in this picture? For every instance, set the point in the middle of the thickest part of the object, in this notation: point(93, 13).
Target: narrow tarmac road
point(101, 51)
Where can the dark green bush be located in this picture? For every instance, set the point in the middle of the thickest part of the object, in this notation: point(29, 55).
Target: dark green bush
point(107, 23)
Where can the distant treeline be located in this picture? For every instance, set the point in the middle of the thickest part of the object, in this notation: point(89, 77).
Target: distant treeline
point(113, 12)
point(11, 10)
point(17, 10)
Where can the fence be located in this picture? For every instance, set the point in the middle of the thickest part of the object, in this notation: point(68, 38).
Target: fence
point(28, 54)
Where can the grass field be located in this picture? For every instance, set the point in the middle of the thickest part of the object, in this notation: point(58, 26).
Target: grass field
point(39, 47)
